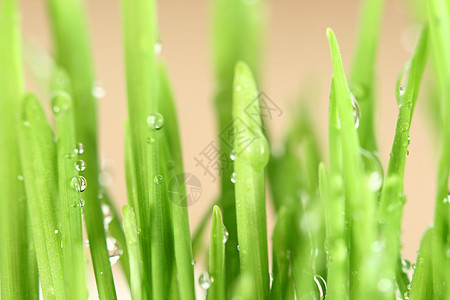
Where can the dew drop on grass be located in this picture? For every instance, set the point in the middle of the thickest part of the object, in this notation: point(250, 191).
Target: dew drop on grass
point(321, 286)
point(375, 181)
point(158, 47)
point(81, 203)
point(20, 177)
point(205, 281)
point(225, 234)
point(98, 91)
point(56, 231)
point(356, 111)
point(149, 140)
point(107, 216)
point(257, 153)
point(373, 169)
point(78, 148)
point(193, 262)
point(114, 250)
point(406, 265)
point(233, 177)
point(155, 121)
point(404, 127)
point(233, 155)
point(238, 248)
point(384, 285)
point(158, 179)
point(80, 165)
point(78, 183)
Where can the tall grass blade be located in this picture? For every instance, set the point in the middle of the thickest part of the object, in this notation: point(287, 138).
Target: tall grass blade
point(219, 236)
point(18, 269)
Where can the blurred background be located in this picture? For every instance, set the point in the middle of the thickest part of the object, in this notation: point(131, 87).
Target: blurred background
point(296, 67)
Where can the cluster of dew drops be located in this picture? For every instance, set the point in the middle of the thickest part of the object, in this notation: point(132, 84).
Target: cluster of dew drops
point(78, 183)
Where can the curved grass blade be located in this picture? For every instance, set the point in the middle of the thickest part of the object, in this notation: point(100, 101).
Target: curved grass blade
point(362, 81)
point(71, 40)
point(71, 203)
point(178, 204)
point(421, 284)
point(38, 156)
point(237, 34)
point(219, 236)
point(439, 20)
point(359, 199)
point(134, 250)
point(18, 269)
point(252, 155)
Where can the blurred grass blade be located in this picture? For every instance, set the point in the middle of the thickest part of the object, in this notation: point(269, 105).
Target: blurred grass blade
point(139, 26)
point(18, 269)
point(237, 34)
point(38, 154)
point(71, 222)
point(219, 236)
point(362, 79)
point(176, 180)
point(252, 155)
point(134, 250)
point(71, 40)
point(421, 284)
point(439, 20)
point(244, 288)
point(359, 199)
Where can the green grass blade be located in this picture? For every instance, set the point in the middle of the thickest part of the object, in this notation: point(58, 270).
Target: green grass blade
point(421, 284)
point(439, 20)
point(244, 288)
point(71, 222)
point(362, 79)
point(38, 154)
point(71, 40)
point(251, 160)
point(140, 37)
point(18, 269)
point(219, 237)
point(177, 190)
point(134, 250)
point(237, 34)
point(359, 200)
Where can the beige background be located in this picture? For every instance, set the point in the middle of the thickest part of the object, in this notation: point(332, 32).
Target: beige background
point(296, 59)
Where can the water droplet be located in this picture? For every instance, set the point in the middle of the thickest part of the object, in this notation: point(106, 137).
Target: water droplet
point(155, 121)
point(356, 111)
point(107, 216)
point(81, 203)
point(233, 177)
point(158, 47)
point(78, 148)
point(321, 286)
point(406, 295)
point(373, 170)
point(193, 262)
point(26, 124)
point(80, 165)
point(384, 285)
point(401, 90)
point(158, 179)
point(378, 246)
point(404, 127)
point(225, 235)
point(98, 91)
point(233, 155)
point(375, 181)
point(60, 102)
point(238, 248)
point(205, 280)
point(56, 231)
point(79, 183)
point(406, 265)
point(446, 200)
point(20, 177)
point(257, 153)
point(149, 140)
point(414, 265)
point(86, 243)
point(114, 250)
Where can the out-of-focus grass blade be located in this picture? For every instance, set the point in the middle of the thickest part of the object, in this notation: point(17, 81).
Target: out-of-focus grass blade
point(177, 195)
point(69, 197)
point(244, 288)
point(38, 156)
point(18, 269)
point(331, 192)
point(439, 20)
point(237, 34)
point(140, 38)
point(362, 79)
point(392, 199)
point(422, 281)
point(134, 250)
point(219, 237)
point(252, 155)
point(71, 40)
point(359, 200)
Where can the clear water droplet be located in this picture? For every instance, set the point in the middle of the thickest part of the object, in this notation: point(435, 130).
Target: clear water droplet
point(80, 165)
point(81, 203)
point(375, 181)
point(414, 265)
point(193, 262)
point(406, 265)
point(356, 111)
point(78, 148)
point(56, 231)
point(446, 200)
point(233, 155)
point(78, 183)
point(107, 216)
point(321, 286)
point(98, 91)
point(60, 102)
point(225, 235)
point(20, 177)
point(158, 47)
point(238, 248)
point(155, 121)
point(158, 179)
point(205, 280)
point(233, 177)
point(373, 170)
point(114, 250)
point(404, 127)
point(257, 153)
